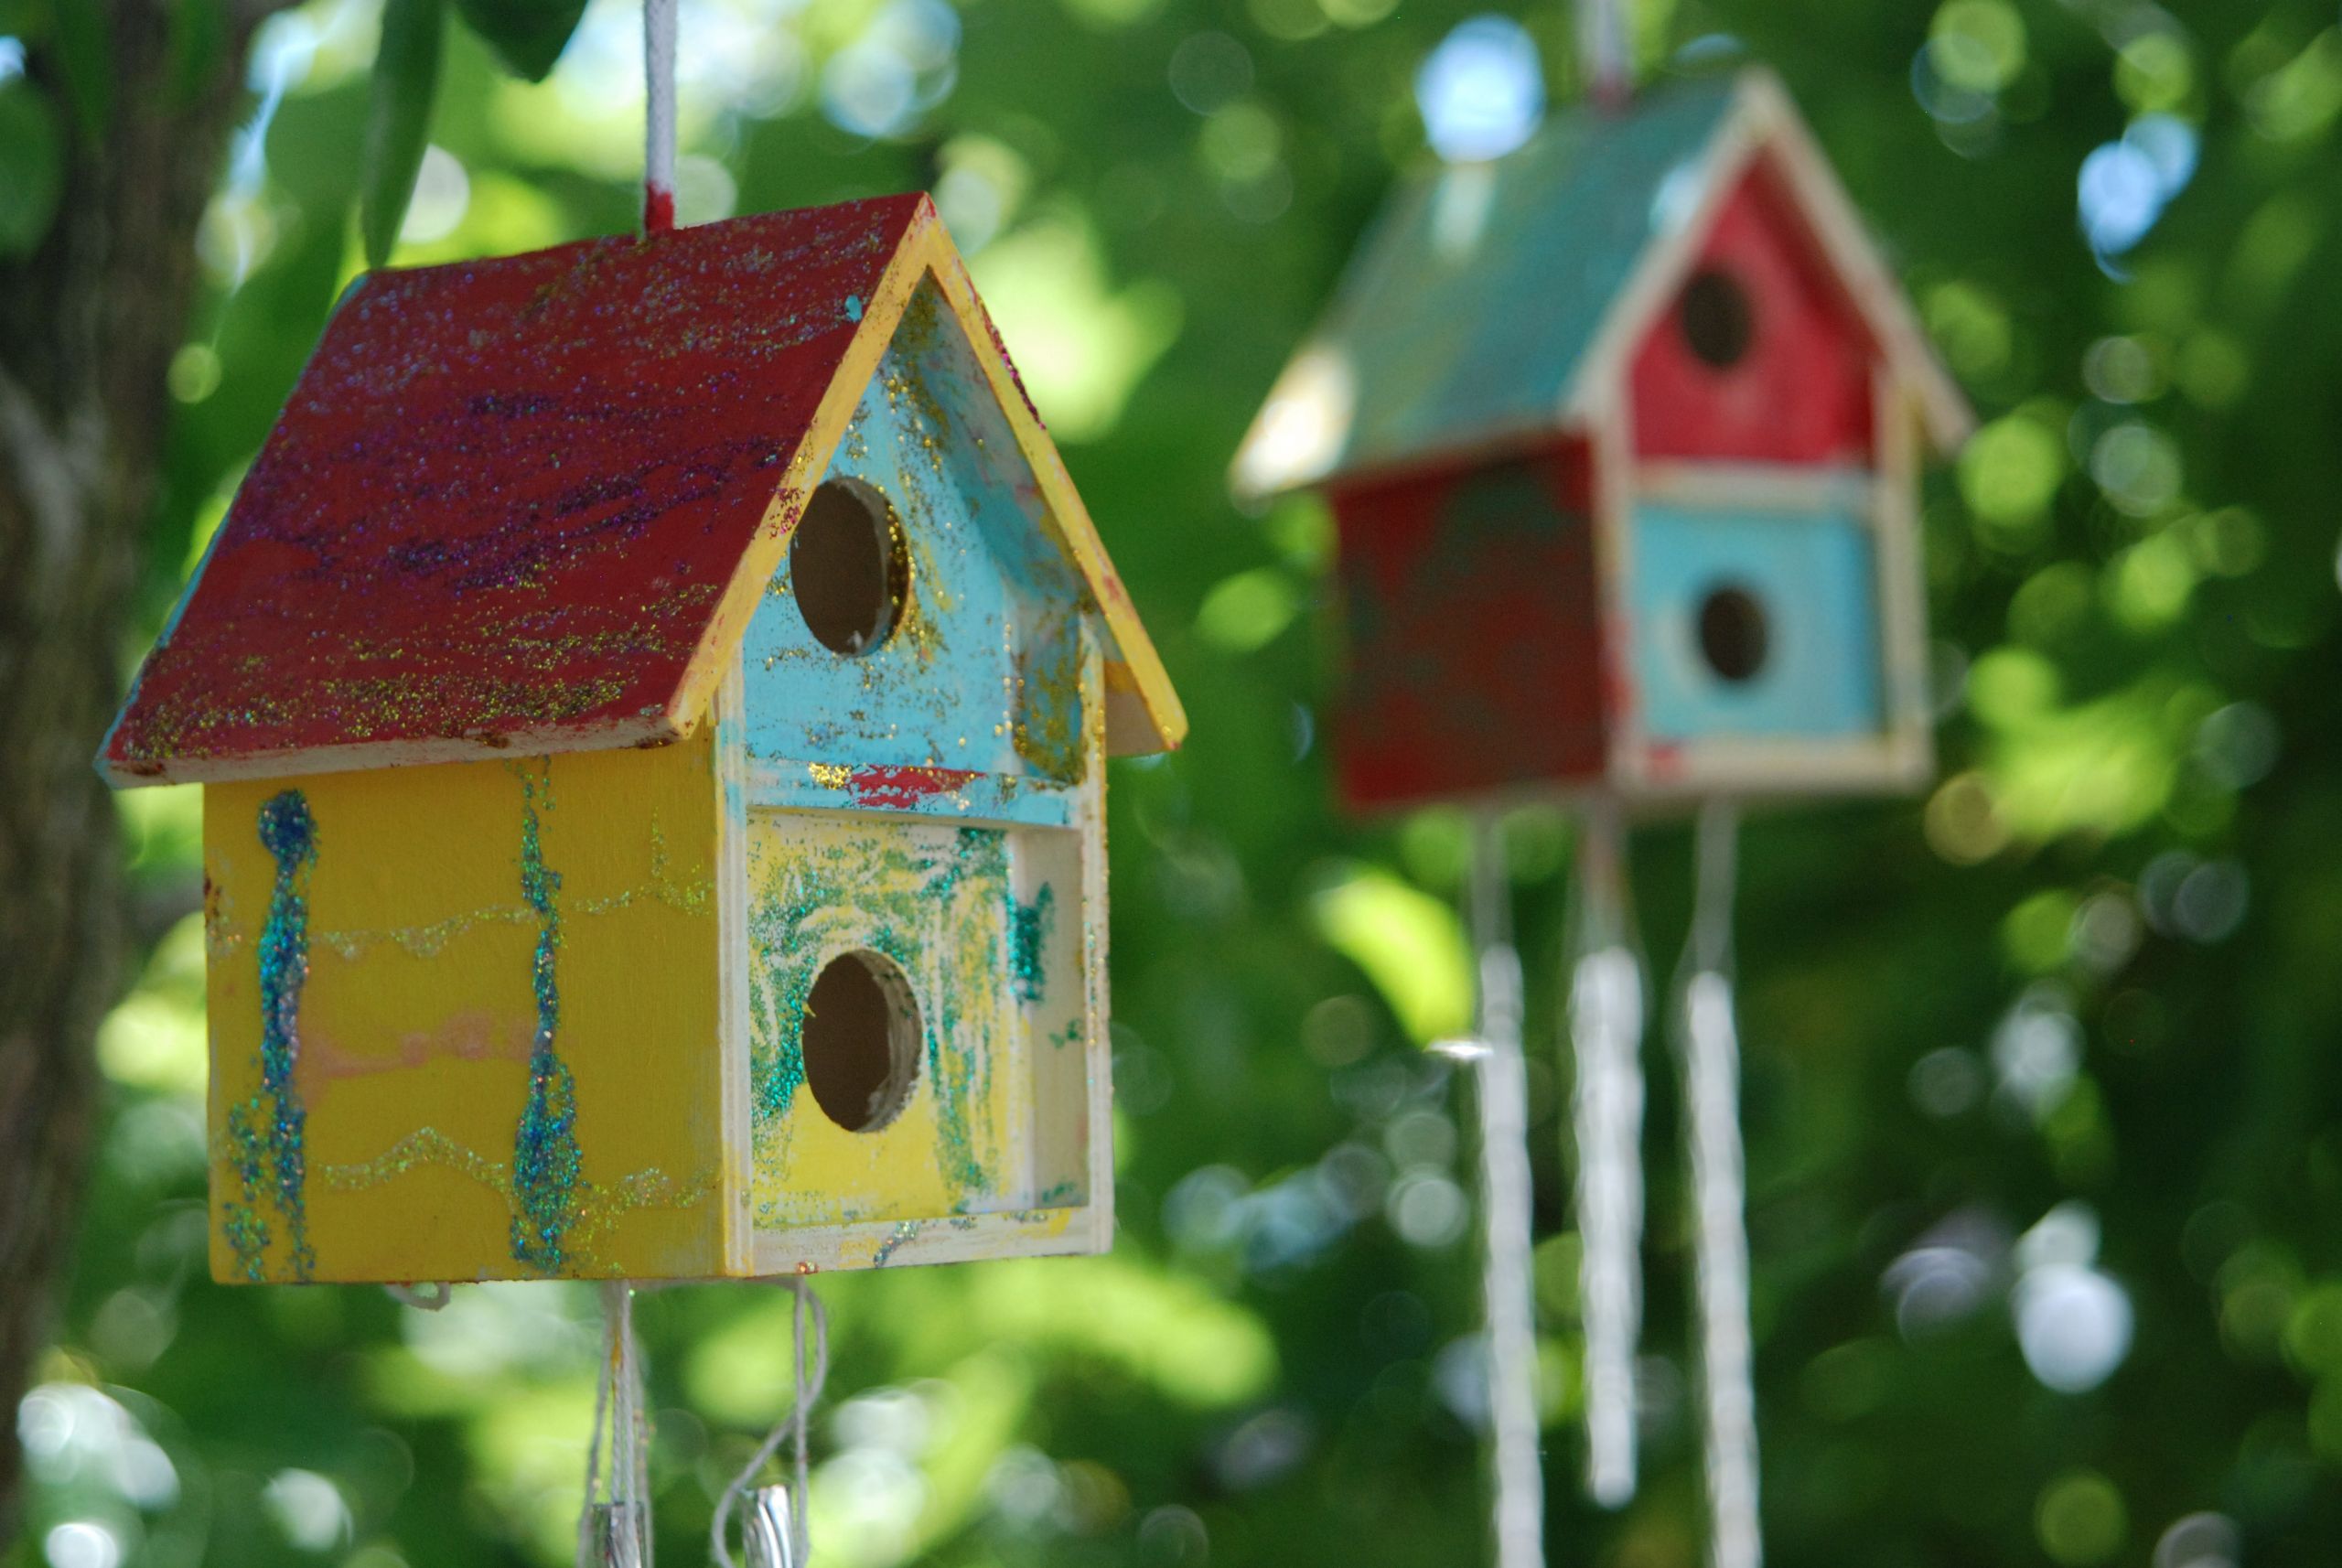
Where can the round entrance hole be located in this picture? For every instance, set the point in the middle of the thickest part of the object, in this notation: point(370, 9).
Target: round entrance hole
point(1734, 636)
point(860, 1041)
point(1717, 320)
point(848, 567)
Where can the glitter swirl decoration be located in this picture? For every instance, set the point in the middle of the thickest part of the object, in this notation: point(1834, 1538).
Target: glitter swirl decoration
point(917, 894)
point(545, 1157)
point(690, 896)
point(266, 1132)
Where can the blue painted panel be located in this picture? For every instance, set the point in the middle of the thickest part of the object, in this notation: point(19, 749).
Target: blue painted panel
point(1815, 577)
point(982, 671)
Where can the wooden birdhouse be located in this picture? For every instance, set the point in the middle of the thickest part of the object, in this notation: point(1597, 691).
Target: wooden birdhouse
point(1620, 432)
point(652, 699)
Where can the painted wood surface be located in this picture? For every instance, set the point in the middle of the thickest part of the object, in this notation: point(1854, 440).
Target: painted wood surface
point(506, 497)
point(1800, 390)
point(465, 1022)
point(1473, 632)
point(996, 799)
point(1003, 1146)
point(1477, 292)
point(1815, 581)
point(1493, 305)
point(982, 672)
point(531, 505)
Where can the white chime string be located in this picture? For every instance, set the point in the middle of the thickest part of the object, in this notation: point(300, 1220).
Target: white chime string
point(803, 1397)
point(1507, 1200)
point(618, 1408)
point(586, 1549)
point(658, 115)
point(1604, 50)
point(1606, 1026)
point(1710, 1048)
point(633, 1414)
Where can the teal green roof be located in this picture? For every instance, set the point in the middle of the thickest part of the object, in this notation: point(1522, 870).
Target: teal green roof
point(1479, 288)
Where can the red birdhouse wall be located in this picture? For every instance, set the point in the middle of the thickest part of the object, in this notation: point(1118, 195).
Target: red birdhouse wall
point(1472, 612)
point(1760, 356)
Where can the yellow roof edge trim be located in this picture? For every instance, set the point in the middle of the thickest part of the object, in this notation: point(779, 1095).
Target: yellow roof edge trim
point(1156, 721)
point(719, 643)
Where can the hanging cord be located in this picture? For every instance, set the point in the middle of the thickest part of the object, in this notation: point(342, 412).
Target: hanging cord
point(432, 1297)
point(1604, 54)
point(614, 1531)
point(1507, 1201)
point(1606, 1023)
point(658, 115)
point(806, 1394)
point(1709, 1047)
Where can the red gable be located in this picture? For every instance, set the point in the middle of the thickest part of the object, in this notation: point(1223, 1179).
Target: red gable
point(505, 501)
point(1798, 390)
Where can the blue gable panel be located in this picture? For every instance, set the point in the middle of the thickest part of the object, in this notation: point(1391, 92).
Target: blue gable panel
point(982, 669)
point(1815, 578)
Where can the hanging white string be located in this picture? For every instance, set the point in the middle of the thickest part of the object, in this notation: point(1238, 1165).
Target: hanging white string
point(1605, 1020)
point(432, 1297)
point(803, 1398)
point(1605, 52)
point(613, 1530)
point(1506, 1200)
point(658, 115)
point(1710, 1049)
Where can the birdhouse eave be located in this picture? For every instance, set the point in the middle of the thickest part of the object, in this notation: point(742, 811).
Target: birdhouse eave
point(527, 505)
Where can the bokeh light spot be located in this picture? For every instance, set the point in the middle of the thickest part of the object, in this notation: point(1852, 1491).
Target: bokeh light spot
point(1482, 90)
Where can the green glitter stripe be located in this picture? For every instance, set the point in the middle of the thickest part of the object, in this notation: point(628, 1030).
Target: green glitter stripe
point(267, 1132)
point(545, 1159)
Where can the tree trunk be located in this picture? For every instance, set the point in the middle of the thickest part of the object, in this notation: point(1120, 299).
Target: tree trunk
point(87, 326)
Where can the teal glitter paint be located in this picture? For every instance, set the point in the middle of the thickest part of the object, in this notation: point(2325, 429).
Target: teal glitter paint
point(896, 896)
point(961, 1068)
point(545, 1160)
point(267, 1132)
point(1029, 926)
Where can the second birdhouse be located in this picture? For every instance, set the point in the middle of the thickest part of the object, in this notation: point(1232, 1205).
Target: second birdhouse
point(652, 699)
point(1621, 435)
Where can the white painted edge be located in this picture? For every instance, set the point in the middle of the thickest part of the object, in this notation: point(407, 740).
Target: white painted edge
point(736, 1031)
point(948, 1239)
point(652, 730)
point(1761, 487)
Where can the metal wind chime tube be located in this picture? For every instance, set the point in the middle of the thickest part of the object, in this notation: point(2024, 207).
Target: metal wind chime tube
point(1605, 1026)
point(1507, 1202)
point(1709, 1047)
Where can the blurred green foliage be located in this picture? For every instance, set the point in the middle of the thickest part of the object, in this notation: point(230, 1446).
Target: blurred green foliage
point(2070, 1019)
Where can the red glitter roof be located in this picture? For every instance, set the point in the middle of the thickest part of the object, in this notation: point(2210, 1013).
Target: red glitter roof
point(514, 503)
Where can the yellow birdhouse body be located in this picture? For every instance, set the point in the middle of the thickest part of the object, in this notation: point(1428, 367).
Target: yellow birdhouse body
point(660, 835)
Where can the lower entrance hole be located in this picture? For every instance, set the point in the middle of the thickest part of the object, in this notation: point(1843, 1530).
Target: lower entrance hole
point(860, 1040)
point(1733, 635)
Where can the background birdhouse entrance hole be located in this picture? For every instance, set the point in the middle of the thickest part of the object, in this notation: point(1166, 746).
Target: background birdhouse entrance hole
point(1734, 637)
point(1716, 319)
point(849, 567)
point(861, 1041)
